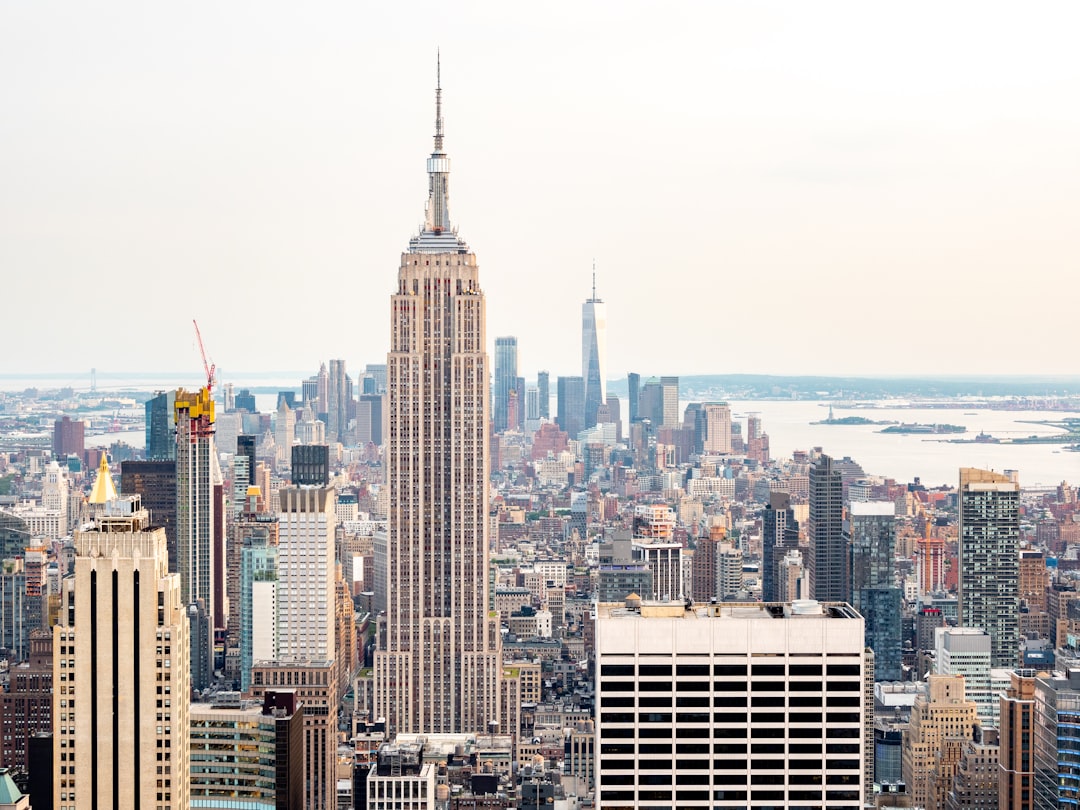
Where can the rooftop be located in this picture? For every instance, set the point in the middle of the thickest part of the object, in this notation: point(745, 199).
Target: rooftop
point(806, 608)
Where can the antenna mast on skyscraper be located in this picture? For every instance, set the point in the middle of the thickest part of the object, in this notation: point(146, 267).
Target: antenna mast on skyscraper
point(438, 102)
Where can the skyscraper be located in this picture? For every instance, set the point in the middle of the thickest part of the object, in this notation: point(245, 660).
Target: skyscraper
point(197, 474)
point(1016, 775)
point(827, 569)
point(68, 438)
point(989, 560)
point(966, 651)
point(257, 596)
point(870, 537)
point(369, 419)
point(245, 446)
point(669, 392)
point(730, 705)
point(122, 725)
point(440, 667)
point(570, 404)
point(633, 392)
point(284, 431)
point(26, 707)
point(160, 441)
point(940, 714)
point(506, 363)
point(305, 572)
point(594, 353)
point(322, 389)
point(780, 534)
point(543, 385)
point(717, 437)
point(337, 402)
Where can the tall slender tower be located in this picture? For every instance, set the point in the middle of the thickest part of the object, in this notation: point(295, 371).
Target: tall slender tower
point(594, 353)
point(439, 667)
point(337, 404)
point(989, 560)
point(506, 363)
point(197, 473)
point(828, 568)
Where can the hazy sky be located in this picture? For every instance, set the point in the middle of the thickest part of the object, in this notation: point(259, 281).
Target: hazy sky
point(765, 187)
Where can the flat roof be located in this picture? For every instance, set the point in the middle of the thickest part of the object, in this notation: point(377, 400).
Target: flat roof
point(728, 610)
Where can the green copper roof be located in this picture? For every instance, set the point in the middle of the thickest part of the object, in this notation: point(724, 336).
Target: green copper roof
point(9, 792)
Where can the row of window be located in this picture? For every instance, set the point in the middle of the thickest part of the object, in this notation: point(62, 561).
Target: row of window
point(728, 748)
point(730, 717)
point(730, 779)
point(730, 701)
point(684, 765)
point(815, 732)
point(731, 686)
point(729, 670)
point(729, 795)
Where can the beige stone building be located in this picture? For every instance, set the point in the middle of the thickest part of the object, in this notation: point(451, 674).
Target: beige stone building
point(944, 713)
point(122, 726)
point(440, 660)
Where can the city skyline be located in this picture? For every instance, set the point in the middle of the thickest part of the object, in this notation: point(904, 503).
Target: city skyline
point(827, 157)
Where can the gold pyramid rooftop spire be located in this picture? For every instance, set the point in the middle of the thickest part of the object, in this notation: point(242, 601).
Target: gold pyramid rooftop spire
point(104, 490)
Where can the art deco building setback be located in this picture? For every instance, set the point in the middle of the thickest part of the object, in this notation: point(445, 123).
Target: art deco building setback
point(438, 669)
point(942, 720)
point(730, 704)
point(120, 677)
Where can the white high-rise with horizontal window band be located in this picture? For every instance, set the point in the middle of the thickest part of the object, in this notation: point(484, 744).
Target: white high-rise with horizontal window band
point(439, 667)
point(966, 651)
point(305, 571)
point(730, 705)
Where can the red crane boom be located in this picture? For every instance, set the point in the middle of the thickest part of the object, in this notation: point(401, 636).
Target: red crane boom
point(210, 368)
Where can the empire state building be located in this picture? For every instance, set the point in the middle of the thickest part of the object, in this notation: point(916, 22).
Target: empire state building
point(439, 666)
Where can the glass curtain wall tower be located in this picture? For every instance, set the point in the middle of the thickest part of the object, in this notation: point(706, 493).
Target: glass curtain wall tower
point(594, 354)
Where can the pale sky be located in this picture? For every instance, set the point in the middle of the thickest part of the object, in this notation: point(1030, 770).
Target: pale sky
point(802, 187)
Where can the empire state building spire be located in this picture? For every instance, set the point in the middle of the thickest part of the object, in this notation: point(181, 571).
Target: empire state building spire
point(437, 235)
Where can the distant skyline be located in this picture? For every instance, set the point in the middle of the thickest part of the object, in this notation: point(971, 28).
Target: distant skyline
point(828, 188)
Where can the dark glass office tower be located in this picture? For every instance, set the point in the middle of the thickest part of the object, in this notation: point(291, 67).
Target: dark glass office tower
point(780, 533)
point(155, 482)
point(828, 565)
point(870, 537)
point(543, 385)
point(506, 363)
point(160, 427)
point(571, 405)
point(633, 391)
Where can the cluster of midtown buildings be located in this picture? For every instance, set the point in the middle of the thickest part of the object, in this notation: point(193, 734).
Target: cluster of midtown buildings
point(428, 590)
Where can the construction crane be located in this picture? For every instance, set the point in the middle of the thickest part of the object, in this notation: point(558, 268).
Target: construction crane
point(210, 368)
